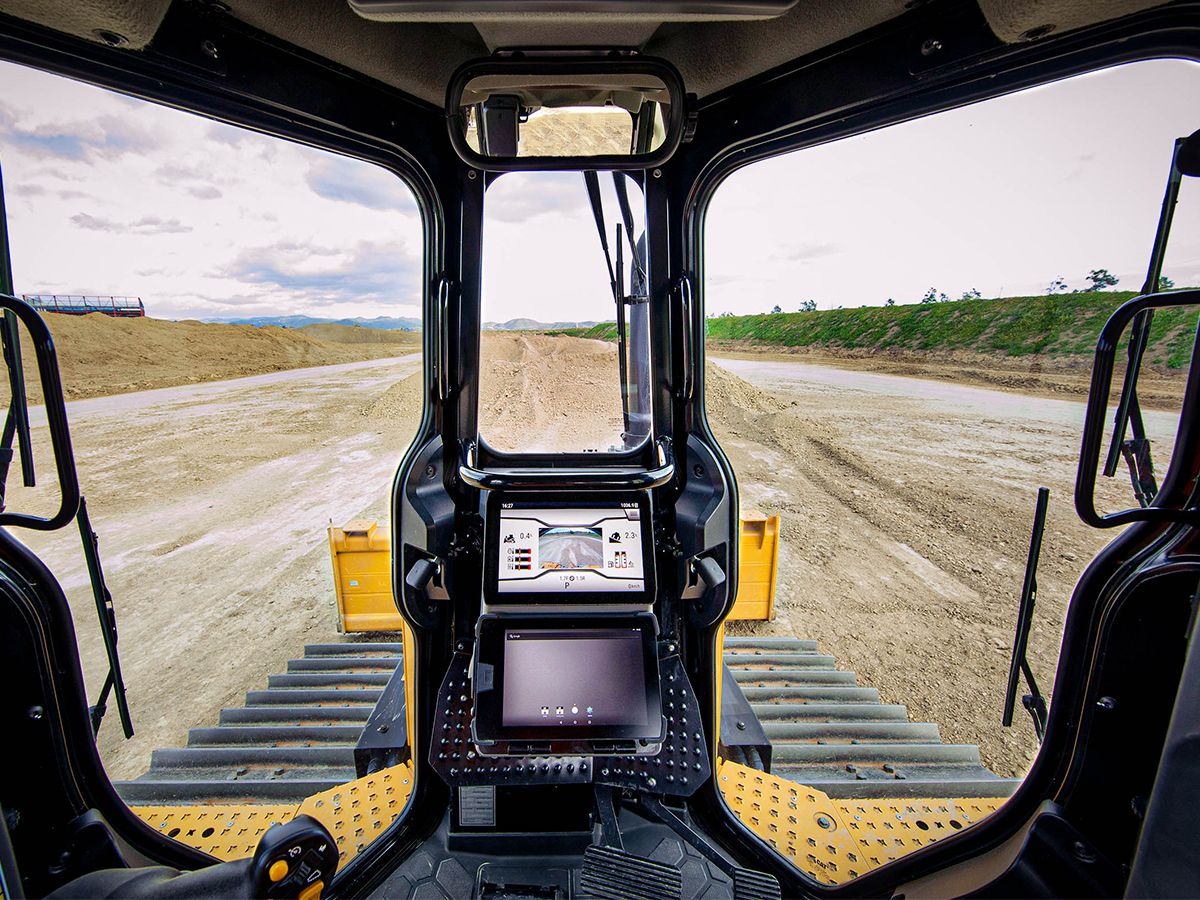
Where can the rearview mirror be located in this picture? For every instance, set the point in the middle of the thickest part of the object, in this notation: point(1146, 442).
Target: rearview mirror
point(35, 425)
point(594, 113)
point(1142, 434)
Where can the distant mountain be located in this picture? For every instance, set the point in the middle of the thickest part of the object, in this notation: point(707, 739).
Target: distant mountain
point(386, 323)
point(533, 325)
point(396, 324)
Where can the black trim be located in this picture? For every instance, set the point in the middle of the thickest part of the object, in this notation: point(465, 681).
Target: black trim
point(566, 66)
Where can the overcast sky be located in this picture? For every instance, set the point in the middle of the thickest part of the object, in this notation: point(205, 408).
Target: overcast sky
point(109, 195)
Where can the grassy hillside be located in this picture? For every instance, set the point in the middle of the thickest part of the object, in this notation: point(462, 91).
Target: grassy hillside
point(1060, 325)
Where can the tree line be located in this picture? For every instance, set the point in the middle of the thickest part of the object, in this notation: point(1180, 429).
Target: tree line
point(1097, 280)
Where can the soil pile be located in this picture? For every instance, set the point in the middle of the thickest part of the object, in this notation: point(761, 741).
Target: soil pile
point(99, 355)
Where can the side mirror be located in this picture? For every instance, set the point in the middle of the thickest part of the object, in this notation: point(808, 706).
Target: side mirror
point(1187, 158)
point(565, 113)
point(1168, 503)
point(22, 327)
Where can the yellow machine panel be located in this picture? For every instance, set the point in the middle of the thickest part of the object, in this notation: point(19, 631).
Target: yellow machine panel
point(759, 561)
point(833, 841)
point(362, 577)
point(362, 573)
point(355, 814)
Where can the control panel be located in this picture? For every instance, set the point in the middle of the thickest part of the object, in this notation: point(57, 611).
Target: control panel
point(677, 766)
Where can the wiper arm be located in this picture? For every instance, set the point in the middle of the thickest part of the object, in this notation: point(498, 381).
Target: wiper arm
point(620, 186)
point(1033, 702)
point(592, 183)
point(1136, 450)
point(113, 683)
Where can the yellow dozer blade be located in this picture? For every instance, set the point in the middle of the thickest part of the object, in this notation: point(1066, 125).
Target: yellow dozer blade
point(362, 573)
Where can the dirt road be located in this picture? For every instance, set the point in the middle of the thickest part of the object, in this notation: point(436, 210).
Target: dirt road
point(211, 502)
point(906, 506)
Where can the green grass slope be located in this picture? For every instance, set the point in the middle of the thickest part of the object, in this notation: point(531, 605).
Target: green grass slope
point(1060, 325)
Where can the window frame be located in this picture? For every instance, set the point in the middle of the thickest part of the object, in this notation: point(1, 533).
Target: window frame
point(1155, 34)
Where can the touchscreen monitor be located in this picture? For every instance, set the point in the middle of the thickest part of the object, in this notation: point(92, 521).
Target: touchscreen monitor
point(574, 552)
point(575, 680)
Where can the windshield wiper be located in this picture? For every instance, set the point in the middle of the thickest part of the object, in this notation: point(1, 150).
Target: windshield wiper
point(1136, 449)
point(1033, 702)
point(114, 682)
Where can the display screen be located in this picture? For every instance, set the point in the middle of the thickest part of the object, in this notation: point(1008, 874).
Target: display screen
point(570, 550)
point(572, 678)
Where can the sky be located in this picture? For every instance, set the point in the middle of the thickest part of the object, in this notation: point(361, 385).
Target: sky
point(112, 195)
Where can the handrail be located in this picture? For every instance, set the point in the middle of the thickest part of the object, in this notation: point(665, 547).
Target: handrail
point(550, 478)
point(56, 419)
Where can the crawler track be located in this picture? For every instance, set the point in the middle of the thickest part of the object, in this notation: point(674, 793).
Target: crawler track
point(297, 737)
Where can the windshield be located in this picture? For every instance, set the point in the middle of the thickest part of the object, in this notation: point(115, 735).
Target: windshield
point(566, 344)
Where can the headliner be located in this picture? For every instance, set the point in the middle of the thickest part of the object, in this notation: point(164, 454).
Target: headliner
point(417, 54)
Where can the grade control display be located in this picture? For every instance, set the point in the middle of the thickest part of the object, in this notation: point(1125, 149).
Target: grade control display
point(570, 550)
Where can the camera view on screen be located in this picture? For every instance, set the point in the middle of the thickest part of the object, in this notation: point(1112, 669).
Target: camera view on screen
point(570, 548)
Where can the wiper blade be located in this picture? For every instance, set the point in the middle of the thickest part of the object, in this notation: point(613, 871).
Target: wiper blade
point(1033, 702)
point(113, 683)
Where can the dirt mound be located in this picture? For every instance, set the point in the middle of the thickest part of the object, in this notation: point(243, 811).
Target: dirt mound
point(549, 394)
point(357, 334)
point(99, 355)
point(399, 405)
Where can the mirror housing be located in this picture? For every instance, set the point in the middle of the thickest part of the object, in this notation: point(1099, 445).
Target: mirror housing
point(56, 419)
point(489, 101)
point(1097, 412)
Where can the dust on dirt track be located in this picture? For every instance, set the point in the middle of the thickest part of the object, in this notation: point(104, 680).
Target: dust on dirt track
point(906, 519)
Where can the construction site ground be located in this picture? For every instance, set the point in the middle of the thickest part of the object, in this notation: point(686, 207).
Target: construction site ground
point(906, 507)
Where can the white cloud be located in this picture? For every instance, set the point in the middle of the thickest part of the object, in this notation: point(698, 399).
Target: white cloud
point(118, 196)
point(110, 195)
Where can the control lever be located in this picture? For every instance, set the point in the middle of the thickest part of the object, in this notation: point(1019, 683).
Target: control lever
point(710, 573)
point(293, 861)
point(420, 574)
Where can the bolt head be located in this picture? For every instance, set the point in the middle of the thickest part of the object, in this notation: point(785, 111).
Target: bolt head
point(112, 38)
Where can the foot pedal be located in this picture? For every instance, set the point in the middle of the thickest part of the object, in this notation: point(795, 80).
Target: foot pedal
point(751, 885)
point(612, 874)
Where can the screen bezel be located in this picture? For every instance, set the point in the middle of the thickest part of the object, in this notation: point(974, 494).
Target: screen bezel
point(491, 569)
point(489, 704)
